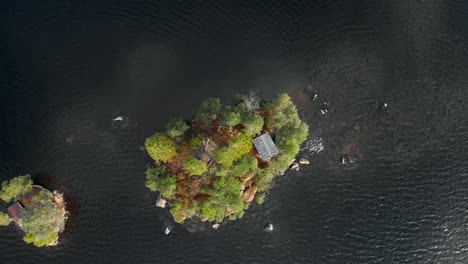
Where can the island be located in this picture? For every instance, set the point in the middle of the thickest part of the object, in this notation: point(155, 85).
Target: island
point(40, 213)
point(214, 167)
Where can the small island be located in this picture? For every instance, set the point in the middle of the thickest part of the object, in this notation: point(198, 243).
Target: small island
point(214, 167)
point(40, 213)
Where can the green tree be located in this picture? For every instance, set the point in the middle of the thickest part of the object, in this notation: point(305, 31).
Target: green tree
point(260, 198)
point(194, 166)
point(244, 165)
point(176, 127)
point(157, 179)
point(42, 220)
point(4, 219)
point(230, 116)
point(224, 155)
point(241, 144)
point(253, 123)
point(16, 188)
point(209, 110)
point(161, 147)
point(194, 143)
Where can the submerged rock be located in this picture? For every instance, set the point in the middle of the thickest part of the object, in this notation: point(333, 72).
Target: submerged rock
point(268, 227)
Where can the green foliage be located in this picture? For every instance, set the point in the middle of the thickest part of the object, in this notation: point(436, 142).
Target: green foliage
point(244, 165)
point(152, 175)
point(253, 123)
point(158, 180)
point(194, 166)
point(161, 147)
point(225, 199)
point(230, 116)
point(4, 219)
point(240, 144)
point(42, 221)
point(260, 198)
point(284, 111)
point(224, 156)
point(209, 110)
point(16, 188)
point(176, 127)
point(194, 143)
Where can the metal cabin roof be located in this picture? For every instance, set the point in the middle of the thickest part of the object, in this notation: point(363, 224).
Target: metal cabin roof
point(265, 146)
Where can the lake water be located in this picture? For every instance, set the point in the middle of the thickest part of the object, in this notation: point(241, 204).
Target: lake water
point(69, 68)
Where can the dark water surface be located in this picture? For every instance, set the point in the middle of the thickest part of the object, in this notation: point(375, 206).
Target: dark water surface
point(69, 68)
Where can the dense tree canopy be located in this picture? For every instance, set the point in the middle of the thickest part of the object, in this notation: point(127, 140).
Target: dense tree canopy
point(253, 123)
point(176, 127)
point(42, 221)
point(214, 171)
point(161, 147)
point(16, 188)
point(157, 179)
point(4, 219)
point(194, 166)
point(209, 110)
point(231, 116)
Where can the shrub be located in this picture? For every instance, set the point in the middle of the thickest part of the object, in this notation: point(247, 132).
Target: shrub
point(176, 127)
point(161, 147)
point(194, 166)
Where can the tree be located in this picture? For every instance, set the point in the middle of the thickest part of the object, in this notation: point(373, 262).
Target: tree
point(253, 123)
point(176, 127)
point(42, 220)
point(209, 110)
point(244, 165)
point(157, 179)
point(241, 144)
point(161, 147)
point(16, 188)
point(194, 166)
point(224, 156)
point(260, 198)
point(152, 175)
point(230, 116)
point(4, 219)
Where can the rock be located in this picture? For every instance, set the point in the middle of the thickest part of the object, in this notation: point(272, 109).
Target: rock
point(161, 202)
point(323, 111)
point(249, 194)
point(167, 231)
point(292, 161)
point(119, 118)
point(303, 161)
point(215, 226)
point(268, 227)
point(295, 166)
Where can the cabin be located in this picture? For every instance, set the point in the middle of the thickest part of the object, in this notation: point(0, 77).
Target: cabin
point(15, 211)
point(265, 146)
